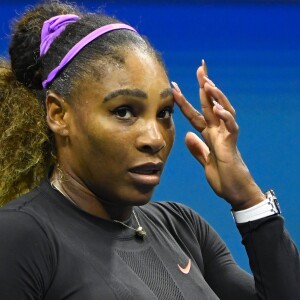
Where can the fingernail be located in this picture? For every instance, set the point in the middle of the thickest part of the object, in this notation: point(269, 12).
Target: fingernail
point(209, 81)
point(175, 86)
point(217, 105)
point(204, 66)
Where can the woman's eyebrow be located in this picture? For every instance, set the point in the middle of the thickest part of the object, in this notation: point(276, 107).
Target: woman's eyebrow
point(126, 92)
point(135, 93)
point(167, 92)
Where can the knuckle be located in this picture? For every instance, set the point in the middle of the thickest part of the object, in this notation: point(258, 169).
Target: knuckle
point(198, 121)
point(196, 115)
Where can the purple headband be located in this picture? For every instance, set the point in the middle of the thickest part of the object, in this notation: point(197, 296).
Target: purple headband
point(52, 29)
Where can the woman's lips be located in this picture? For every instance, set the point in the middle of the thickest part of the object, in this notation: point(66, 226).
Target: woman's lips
point(147, 174)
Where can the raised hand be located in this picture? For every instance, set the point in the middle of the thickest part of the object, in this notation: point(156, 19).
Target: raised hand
point(224, 168)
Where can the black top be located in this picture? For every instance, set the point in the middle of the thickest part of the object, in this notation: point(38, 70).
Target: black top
point(50, 249)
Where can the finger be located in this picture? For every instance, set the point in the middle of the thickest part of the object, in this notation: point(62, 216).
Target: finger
point(205, 100)
point(192, 114)
point(197, 147)
point(226, 117)
point(204, 67)
point(216, 94)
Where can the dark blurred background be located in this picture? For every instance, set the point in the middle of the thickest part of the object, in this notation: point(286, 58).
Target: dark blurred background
point(252, 49)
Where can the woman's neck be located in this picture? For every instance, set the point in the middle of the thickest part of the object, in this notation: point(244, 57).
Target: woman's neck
point(80, 196)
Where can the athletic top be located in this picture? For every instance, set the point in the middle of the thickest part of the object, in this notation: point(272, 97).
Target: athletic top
point(51, 249)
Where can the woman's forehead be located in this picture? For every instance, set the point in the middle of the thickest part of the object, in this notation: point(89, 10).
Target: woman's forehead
point(137, 70)
point(129, 82)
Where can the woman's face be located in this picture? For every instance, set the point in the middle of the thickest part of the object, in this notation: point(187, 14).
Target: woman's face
point(121, 131)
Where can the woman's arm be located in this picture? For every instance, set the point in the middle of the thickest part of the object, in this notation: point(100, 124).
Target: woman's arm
point(273, 256)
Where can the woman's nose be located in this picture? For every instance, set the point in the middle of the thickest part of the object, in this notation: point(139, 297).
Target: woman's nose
point(150, 138)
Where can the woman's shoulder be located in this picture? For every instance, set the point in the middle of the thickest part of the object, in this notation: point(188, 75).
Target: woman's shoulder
point(174, 214)
point(19, 203)
point(26, 244)
point(22, 224)
point(25, 213)
point(170, 207)
point(18, 214)
point(184, 224)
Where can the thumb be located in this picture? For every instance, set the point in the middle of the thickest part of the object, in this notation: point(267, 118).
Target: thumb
point(197, 147)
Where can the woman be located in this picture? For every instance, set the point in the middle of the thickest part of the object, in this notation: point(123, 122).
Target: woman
point(88, 230)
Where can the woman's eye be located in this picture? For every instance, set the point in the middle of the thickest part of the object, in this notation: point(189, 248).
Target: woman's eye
point(166, 113)
point(123, 113)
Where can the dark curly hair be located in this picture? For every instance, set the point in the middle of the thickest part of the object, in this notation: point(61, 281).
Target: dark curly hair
point(27, 147)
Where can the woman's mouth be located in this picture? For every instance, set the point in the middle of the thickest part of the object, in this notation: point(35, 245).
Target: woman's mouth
point(147, 174)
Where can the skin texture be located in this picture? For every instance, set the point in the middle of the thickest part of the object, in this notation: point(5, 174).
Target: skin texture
point(107, 133)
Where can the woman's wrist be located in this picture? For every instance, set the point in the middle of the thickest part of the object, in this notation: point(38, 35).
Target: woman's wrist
point(248, 198)
point(268, 207)
point(249, 204)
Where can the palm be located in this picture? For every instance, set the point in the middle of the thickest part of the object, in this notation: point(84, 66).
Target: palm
point(220, 159)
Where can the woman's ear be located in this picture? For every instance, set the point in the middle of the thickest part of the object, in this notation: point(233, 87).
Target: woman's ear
point(57, 112)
